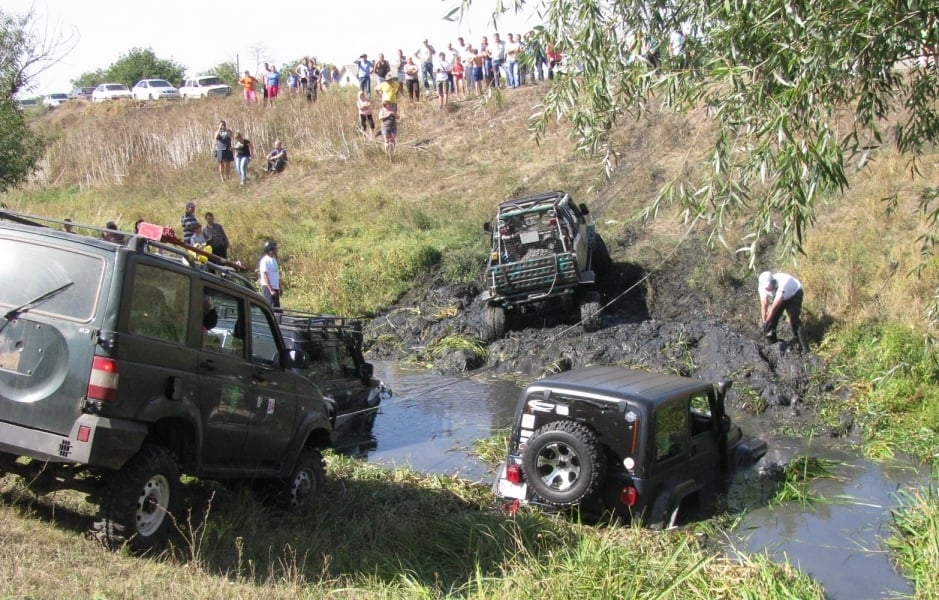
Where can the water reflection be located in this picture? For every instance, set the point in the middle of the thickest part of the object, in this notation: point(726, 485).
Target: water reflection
point(432, 421)
point(838, 541)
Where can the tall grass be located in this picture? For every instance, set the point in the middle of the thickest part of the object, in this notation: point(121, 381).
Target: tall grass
point(377, 533)
point(915, 540)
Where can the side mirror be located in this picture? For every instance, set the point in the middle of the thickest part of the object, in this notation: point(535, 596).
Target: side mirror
point(487, 227)
point(297, 359)
point(723, 386)
point(367, 370)
point(583, 209)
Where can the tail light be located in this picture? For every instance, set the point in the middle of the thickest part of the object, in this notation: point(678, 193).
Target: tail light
point(102, 385)
point(628, 496)
point(513, 474)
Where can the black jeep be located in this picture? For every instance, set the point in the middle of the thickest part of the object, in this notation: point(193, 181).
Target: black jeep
point(634, 444)
point(126, 361)
point(338, 368)
point(546, 254)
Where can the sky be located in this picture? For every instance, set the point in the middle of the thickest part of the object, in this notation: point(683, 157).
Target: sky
point(200, 34)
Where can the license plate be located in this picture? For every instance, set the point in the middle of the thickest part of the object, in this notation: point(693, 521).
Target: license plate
point(528, 237)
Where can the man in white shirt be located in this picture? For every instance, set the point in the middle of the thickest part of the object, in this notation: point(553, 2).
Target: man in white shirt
point(269, 272)
point(781, 292)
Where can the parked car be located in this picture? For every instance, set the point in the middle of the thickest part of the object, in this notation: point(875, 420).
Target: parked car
point(628, 443)
point(53, 100)
point(203, 87)
point(546, 256)
point(111, 91)
point(154, 89)
point(26, 103)
point(81, 93)
point(125, 362)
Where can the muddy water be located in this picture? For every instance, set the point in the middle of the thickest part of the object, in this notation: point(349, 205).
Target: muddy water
point(431, 422)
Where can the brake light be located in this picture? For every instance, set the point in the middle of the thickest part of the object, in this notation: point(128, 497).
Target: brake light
point(513, 474)
point(628, 496)
point(102, 385)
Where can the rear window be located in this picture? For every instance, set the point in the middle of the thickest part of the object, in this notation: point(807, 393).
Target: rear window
point(30, 271)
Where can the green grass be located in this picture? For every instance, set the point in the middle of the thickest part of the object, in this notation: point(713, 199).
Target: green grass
point(377, 533)
point(915, 539)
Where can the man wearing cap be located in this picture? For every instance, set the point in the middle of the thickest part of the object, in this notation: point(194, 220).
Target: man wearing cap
point(269, 272)
point(781, 292)
point(189, 221)
point(365, 74)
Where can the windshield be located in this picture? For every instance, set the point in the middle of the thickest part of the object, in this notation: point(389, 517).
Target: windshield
point(59, 96)
point(115, 86)
point(38, 270)
point(160, 83)
point(210, 81)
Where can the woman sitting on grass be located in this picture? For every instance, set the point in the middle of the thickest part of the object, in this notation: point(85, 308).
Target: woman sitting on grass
point(277, 158)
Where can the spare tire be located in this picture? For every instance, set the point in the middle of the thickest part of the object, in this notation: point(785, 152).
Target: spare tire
point(564, 463)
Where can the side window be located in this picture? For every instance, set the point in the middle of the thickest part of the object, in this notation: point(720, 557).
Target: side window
point(222, 324)
point(700, 414)
point(263, 345)
point(346, 360)
point(159, 306)
point(671, 430)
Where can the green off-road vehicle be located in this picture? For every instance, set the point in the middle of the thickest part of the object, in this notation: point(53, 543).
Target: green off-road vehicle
point(546, 255)
point(126, 361)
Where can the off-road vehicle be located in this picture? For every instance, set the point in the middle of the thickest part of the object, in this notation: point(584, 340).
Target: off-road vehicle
point(546, 255)
point(337, 367)
point(633, 444)
point(118, 373)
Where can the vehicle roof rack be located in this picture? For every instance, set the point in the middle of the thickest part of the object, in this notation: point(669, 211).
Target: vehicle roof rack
point(162, 239)
point(314, 323)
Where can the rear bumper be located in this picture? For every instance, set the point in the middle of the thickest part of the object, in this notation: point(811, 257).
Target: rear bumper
point(94, 441)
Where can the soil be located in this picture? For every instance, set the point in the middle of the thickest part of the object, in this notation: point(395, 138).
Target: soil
point(652, 318)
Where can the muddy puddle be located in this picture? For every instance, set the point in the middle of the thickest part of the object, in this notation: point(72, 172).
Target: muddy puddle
point(432, 421)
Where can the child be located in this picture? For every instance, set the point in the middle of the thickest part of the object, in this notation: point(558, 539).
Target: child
point(365, 113)
point(459, 83)
point(389, 126)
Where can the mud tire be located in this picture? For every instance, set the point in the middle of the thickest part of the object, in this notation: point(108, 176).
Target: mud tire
point(661, 515)
point(564, 464)
point(590, 311)
point(602, 263)
point(299, 491)
point(493, 323)
point(139, 502)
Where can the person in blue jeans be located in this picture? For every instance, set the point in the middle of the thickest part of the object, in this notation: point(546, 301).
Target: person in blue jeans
point(365, 73)
point(242, 148)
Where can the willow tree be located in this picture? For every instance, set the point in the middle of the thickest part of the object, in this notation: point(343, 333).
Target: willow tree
point(799, 93)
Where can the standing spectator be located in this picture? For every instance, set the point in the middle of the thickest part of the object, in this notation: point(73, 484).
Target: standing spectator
point(475, 73)
point(402, 62)
point(223, 153)
point(411, 75)
point(293, 83)
point(459, 81)
point(425, 55)
point(273, 84)
point(781, 292)
point(382, 67)
point(389, 89)
point(249, 83)
point(442, 78)
point(303, 72)
point(676, 48)
point(554, 59)
point(513, 50)
point(242, 148)
point(68, 225)
point(277, 158)
point(215, 236)
point(389, 127)
point(188, 221)
point(454, 57)
point(497, 51)
point(269, 274)
point(535, 50)
point(364, 105)
point(365, 73)
point(315, 80)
